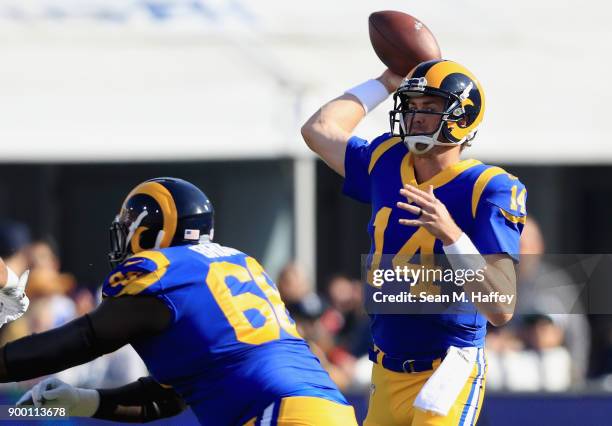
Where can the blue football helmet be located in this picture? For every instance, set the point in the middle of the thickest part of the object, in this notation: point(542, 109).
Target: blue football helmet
point(160, 213)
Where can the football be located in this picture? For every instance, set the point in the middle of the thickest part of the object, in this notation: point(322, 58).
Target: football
point(401, 41)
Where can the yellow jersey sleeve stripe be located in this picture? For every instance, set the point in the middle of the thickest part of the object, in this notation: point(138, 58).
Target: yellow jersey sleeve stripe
point(512, 218)
point(138, 285)
point(380, 150)
point(481, 183)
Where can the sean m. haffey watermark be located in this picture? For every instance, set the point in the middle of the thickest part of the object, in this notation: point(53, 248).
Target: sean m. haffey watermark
point(414, 274)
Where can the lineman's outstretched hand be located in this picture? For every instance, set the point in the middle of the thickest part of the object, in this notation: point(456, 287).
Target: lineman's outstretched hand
point(13, 300)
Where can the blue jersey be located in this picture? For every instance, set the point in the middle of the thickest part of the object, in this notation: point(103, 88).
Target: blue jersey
point(232, 348)
point(486, 202)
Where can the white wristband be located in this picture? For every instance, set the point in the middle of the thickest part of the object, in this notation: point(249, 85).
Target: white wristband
point(370, 93)
point(12, 279)
point(463, 254)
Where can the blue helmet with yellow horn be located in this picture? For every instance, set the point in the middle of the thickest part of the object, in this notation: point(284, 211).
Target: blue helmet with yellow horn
point(461, 116)
point(160, 213)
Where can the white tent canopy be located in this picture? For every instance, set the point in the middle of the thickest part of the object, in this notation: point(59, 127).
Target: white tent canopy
point(85, 80)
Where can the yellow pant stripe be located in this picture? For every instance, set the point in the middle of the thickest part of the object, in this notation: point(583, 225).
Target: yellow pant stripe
point(468, 415)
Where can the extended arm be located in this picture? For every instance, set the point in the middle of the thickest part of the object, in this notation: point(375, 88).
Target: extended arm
point(329, 129)
point(142, 401)
point(113, 324)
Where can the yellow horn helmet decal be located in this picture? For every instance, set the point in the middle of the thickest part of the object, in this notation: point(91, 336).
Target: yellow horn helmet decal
point(436, 75)
point(135, 241)
point(168, 208)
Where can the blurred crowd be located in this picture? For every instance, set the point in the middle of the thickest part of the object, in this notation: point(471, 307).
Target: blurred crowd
point(56, 298)
point(334, 324)
point(543, 348)
point(539, 350)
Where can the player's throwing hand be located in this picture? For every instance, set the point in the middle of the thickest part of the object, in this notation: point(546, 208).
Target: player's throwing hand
point(431, 214)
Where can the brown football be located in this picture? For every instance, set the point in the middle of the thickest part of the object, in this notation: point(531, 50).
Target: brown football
point(401, 41)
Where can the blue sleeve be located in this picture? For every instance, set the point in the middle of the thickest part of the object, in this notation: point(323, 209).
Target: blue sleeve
point(500, 217)
point(356, 176)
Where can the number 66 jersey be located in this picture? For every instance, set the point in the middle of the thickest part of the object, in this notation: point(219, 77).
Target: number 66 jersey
point(232, 350)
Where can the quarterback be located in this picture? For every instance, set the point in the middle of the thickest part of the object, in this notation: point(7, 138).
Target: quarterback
point(206, 319)
point(428, 369)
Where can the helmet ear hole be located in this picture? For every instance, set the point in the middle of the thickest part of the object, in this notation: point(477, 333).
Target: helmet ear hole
point(458, 112)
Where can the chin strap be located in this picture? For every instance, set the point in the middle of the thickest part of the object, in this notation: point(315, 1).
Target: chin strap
point(412, 143)
point(432, 140)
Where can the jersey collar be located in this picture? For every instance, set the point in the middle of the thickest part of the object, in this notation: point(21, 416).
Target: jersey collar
point(442, 178)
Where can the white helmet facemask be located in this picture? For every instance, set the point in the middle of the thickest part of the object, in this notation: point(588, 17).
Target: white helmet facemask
point(420, 144)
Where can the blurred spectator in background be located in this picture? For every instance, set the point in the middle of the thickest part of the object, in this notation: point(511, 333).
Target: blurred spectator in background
point(296, 290)
point(14, 244)
point(46, 278)
point(84, 301)
point(337, 331)
point(47, 289)
point(322, 344)
point(306, 308)
point(544, 347)
point(56, 300)
point(345, 317)
point(531, 357)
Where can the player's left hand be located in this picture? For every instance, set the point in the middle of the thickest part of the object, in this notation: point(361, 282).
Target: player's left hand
point(13, 300)
point(52, 392)
point(431, 214)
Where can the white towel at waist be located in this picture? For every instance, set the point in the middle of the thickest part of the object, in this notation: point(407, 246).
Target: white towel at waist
point(444, 386)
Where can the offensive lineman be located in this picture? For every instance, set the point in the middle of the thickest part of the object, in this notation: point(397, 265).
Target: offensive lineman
point(206, 319)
